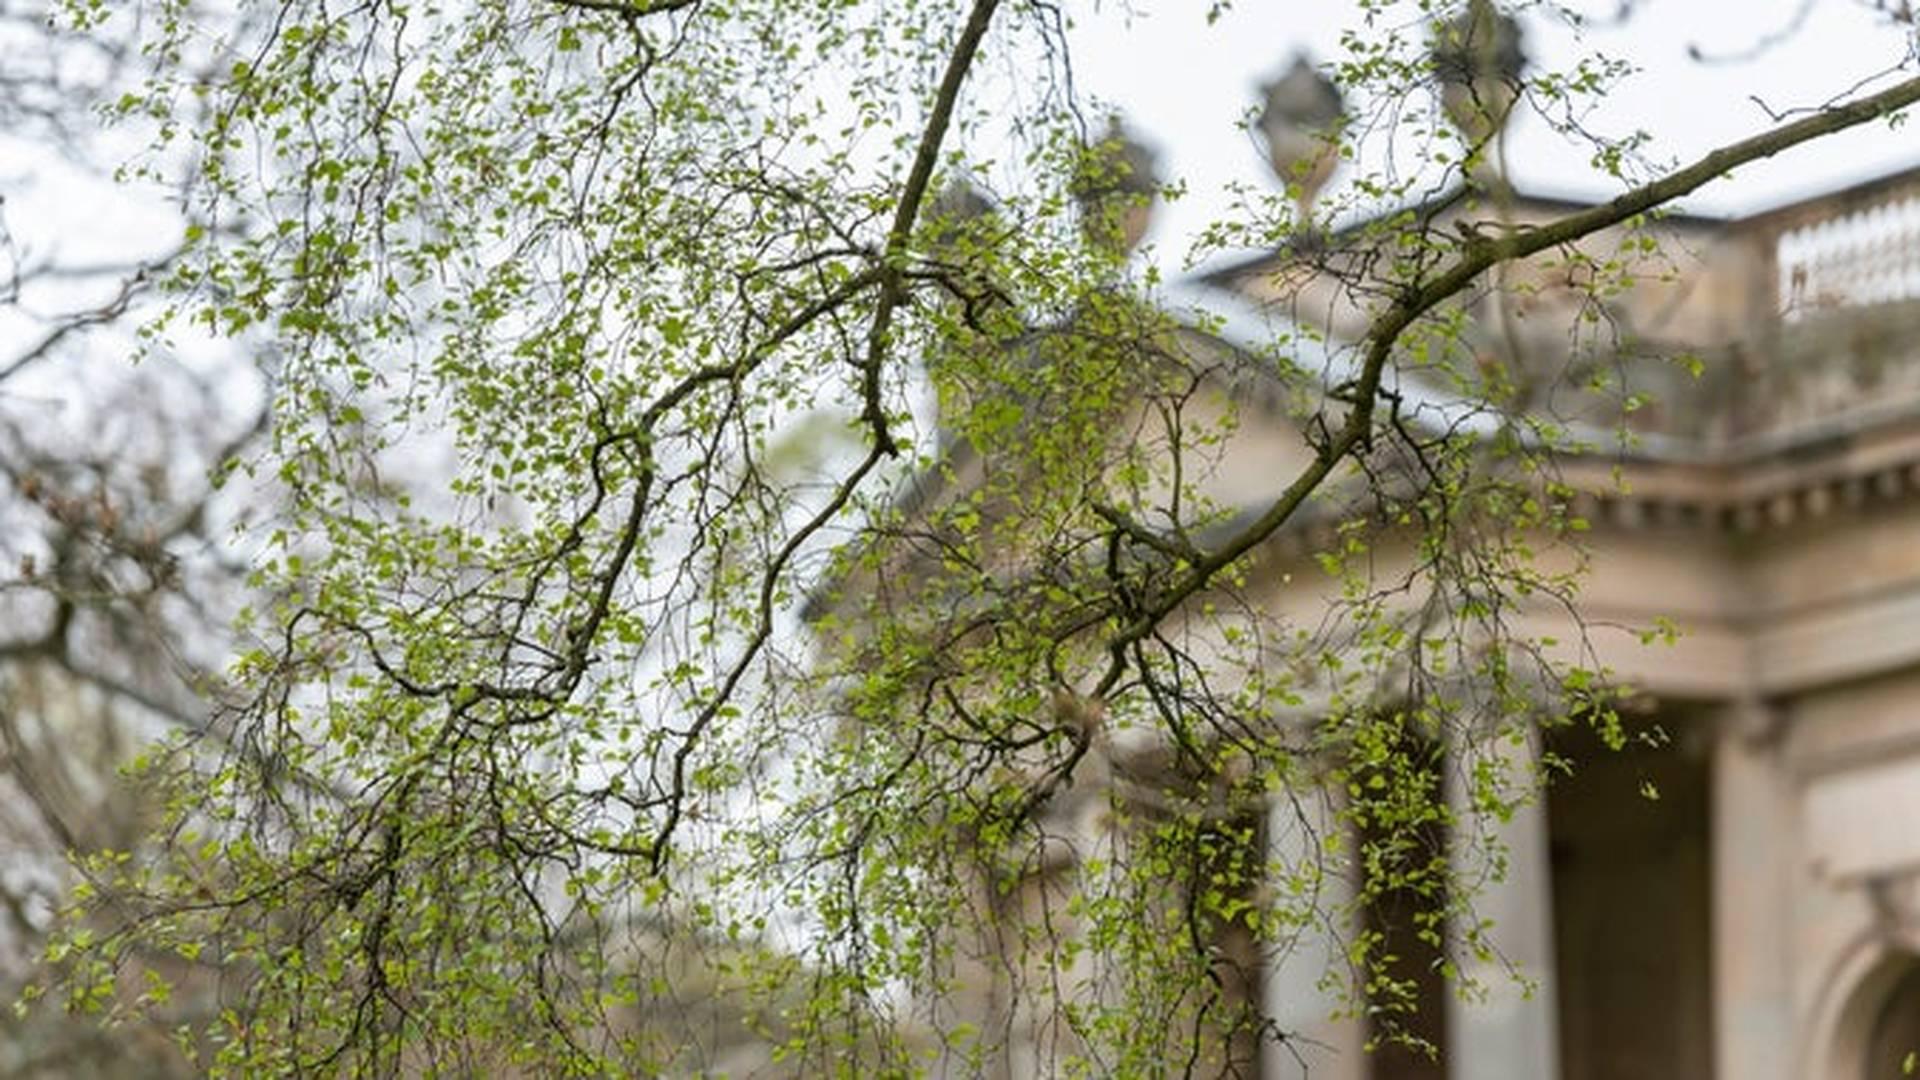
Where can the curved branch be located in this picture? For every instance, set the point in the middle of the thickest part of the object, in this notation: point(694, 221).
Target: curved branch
point(1480, 255)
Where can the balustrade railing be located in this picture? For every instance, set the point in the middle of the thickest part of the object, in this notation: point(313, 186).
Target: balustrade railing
point(1863, 257)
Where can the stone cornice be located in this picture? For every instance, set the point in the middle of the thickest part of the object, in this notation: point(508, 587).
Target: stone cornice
point(1764, 488)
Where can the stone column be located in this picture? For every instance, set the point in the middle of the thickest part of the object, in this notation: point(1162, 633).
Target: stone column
point(1752, 1017)
point(1512, 1033)
point(1317, 1046)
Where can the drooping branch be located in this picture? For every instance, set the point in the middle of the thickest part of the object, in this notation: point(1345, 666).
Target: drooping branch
point(892, 294)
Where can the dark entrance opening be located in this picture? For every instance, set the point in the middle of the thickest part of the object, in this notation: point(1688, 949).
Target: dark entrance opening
point(1631, 901)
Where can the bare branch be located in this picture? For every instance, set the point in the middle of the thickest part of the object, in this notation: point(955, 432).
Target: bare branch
point(1480, 255)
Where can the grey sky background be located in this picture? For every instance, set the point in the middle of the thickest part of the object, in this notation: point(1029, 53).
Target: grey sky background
point(1184, 87)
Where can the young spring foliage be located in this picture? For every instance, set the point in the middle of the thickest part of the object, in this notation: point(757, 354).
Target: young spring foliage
point(735, 600)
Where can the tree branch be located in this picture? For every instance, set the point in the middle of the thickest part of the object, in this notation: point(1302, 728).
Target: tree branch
point(907, 211)
point(628, 8)
point(1479, 256)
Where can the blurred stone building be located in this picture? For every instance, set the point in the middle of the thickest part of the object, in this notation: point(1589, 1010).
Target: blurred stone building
point(1760, 919)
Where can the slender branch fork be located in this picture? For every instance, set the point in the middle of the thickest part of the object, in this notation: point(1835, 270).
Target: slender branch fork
point(891, 277)
point(892, 294)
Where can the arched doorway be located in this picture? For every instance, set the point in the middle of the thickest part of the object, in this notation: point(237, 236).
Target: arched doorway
point(1874, 1021)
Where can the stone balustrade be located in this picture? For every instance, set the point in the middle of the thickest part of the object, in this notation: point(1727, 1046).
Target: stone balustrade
point(1858, 258)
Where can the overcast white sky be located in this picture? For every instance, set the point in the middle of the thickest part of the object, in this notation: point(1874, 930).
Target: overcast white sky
point(1183, 86)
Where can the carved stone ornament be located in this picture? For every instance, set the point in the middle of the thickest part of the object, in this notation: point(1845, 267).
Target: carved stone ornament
point(1300, 121)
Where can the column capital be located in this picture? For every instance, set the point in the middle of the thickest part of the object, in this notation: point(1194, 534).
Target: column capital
point(1757, 720)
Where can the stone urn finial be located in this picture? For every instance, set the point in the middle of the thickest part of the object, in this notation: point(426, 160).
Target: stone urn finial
point(1116, 186)
point(958, 207)
point(1300, 122)
point(1479, 57)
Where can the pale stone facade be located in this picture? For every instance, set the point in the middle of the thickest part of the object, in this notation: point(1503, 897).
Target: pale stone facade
point(1761, 920)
